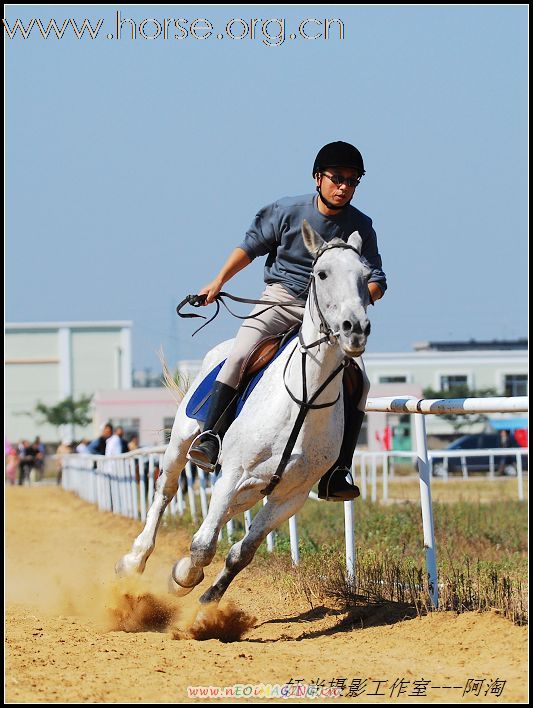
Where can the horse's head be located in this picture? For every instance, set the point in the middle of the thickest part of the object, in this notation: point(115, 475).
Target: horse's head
point(340, 283)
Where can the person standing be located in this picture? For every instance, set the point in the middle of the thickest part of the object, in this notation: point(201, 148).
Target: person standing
point(98, 445)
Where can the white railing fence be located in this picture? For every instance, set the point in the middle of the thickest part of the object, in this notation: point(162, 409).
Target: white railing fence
point(419, 408)
point(125, 484)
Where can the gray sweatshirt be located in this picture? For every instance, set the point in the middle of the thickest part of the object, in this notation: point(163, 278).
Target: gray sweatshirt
point(277, 232)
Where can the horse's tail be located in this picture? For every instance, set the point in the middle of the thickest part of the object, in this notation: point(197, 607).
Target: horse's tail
point(177, 384)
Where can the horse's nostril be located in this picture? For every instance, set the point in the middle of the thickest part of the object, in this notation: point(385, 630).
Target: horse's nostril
point(346, 326)
point(367, 329)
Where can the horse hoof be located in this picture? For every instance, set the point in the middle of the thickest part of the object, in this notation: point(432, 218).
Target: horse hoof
point(188, 576)
point(176, 589)
point(125, 567)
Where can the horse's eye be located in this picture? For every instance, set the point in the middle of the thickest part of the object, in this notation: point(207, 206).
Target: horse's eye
point(322, 275)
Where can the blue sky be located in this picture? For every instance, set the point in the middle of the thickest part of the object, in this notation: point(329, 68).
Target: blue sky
point(134, 167)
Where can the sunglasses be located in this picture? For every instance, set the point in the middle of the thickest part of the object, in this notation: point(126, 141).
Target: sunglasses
point(339, 179)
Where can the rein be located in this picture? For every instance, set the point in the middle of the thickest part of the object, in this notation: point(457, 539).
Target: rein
point(199, 300)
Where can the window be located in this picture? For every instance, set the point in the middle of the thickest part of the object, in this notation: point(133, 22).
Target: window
point(131, 426)
point(453, 381)
point(515, 385)
point(392, 379)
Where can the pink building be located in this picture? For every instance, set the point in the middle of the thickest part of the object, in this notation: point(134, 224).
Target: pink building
point(147, 412)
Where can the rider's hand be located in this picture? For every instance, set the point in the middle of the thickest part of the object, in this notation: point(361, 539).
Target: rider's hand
point(211, 291)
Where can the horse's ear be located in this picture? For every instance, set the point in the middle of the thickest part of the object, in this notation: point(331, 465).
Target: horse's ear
point(356, 241)
point(312, 240)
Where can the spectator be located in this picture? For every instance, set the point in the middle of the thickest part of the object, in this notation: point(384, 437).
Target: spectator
point(65, 448)
point(40, 453)
point(98, 446)
point(83, 447)
point(12, 464)
point(133, 443)
point(116, 445)
point(27, 459)
point(505, 441)
point(123, 441)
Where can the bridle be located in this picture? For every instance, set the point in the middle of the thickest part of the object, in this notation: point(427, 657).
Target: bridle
point(329, 334)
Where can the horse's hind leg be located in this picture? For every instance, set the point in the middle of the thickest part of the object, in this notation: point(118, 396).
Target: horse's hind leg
point(240, 555)
point(174, 461)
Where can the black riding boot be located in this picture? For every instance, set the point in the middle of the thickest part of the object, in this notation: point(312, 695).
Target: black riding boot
point(205, 449)
point(333, 486)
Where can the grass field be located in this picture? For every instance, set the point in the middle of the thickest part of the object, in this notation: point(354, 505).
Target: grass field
point(481, 545)
point(476, 489)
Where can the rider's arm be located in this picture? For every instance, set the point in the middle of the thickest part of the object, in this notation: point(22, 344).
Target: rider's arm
point(378, 279)
point(237, 260)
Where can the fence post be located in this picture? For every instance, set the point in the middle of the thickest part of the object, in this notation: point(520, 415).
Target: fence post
point(247, 520)
point(520, 476)
point(374, 496)
point(203, 493)
point(385, 471)
point(270, 537)
point(293, 533)
point(142, 487)
point(190, 491)
point(427, 510)
point(349, 537)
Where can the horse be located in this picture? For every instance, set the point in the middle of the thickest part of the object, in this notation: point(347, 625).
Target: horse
point(334, 329)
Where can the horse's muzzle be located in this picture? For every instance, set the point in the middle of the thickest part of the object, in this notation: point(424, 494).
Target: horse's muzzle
point(352, 351)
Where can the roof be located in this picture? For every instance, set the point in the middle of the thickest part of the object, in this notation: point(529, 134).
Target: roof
point(100, 324)
point(473, 344)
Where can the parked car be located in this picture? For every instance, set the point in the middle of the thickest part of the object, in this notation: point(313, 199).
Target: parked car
point(480, 441)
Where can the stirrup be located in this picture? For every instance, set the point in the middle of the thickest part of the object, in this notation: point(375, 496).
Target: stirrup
point(351, 491)
point(209, 466)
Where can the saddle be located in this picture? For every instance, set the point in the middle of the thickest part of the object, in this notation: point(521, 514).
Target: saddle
point(252, 370)
point(263, 353)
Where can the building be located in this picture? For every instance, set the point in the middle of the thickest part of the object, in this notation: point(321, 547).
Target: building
point(146, 412)
point(441, 366)
point(50, 361)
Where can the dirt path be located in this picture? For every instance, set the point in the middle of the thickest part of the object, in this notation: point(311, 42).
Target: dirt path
point(59, 582)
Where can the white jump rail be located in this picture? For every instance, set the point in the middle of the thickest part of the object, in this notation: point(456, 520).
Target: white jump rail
point(125, 484)
point(419, 407)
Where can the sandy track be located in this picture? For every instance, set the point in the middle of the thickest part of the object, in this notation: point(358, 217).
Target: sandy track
point(59, 582)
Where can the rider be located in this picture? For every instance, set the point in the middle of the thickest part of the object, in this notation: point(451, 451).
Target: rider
point(276, 233)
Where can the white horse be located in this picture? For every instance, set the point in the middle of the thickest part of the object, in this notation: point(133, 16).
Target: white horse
point(335, 326)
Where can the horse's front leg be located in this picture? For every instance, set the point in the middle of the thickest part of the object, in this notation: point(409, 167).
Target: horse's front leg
point(189, 570)
point(174, 461)
point(270, 516)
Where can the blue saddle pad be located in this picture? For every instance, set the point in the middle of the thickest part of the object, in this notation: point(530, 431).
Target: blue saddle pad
point(199, 403)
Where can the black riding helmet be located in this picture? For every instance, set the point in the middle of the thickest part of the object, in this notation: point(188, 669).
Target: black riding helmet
point(339, 154)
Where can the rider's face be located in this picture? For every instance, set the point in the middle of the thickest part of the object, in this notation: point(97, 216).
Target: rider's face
point(339, 195)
